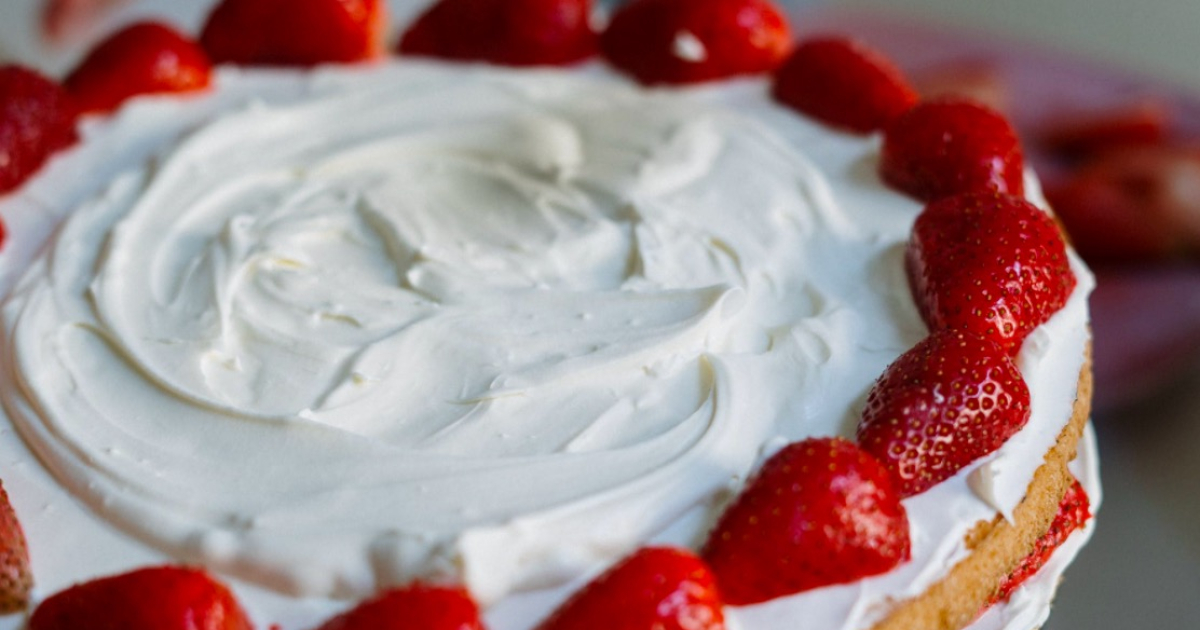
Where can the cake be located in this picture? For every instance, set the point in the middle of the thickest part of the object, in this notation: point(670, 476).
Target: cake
point(600, 307)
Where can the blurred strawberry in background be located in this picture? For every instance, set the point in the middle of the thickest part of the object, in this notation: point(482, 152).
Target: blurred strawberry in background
point(1125, 182)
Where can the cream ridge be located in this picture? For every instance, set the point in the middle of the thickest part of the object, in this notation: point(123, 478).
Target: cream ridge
point(327, 333)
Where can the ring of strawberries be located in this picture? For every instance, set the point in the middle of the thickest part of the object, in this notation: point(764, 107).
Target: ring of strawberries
point(985, 267)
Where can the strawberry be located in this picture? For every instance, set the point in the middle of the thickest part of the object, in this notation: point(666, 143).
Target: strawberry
point(991, 264)
point(507, 32)
point(949, 146)
point(1073, 513)
point(16, 581)
point(37, 118)
point(1110, 222)
point(1132, 204)
point(656, 588)
point(295, 32)
point(144, 58)
point(690, 41)
point(414, 607)
point(819, 512)
point(1083, 134)
point(948, 401)
point(157, 598)
point(843, 84)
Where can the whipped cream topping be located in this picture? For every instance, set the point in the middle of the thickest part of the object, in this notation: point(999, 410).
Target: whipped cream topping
point(331, 333)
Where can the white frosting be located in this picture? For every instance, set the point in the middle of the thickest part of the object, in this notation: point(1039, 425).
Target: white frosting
point(353, 328)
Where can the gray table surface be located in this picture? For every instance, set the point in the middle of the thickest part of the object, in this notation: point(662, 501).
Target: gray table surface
point(1142, 568)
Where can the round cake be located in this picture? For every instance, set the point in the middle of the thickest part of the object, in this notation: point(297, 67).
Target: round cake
point(329, 332)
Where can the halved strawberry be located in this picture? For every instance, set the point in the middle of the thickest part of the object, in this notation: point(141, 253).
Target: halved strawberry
point(843, 83)
point(1073, 513)
point(948, 401)
point(37, 118)
point(690, 41)
point(143, 58)
point(414, 607)
point(819, 512)
point(994, 265)
point(950, 146)
point(157, 598)
point(295, 32)
point(507, 32)
point(16, 581)
point(656, 588)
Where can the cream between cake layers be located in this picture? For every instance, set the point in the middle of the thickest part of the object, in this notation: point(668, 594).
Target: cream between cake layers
point(328, 333)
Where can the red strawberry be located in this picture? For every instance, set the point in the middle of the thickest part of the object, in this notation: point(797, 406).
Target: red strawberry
point(295, 32)
point(412, 608)
point(948, 401)
point(949, 146)
point(819, 512)
point(991, 264)
point(1110, 222)
point(145, 58)
point(1084, 134)
point(158, 598)
point(15, 579)
point(656, 588)
point(690, 41)
point(1073, 513)
point(37, 118)
point(1132, 204)
point(508, 32)
point(844, 84)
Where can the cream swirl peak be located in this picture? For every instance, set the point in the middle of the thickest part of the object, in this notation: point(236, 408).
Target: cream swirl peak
point(439, 322)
